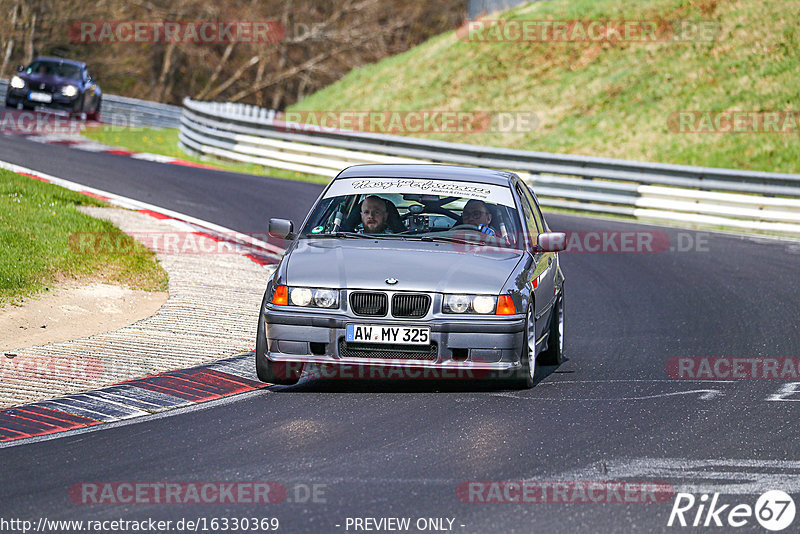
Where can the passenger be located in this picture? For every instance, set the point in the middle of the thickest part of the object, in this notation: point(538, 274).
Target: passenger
point(374, 215)
point(476, 212)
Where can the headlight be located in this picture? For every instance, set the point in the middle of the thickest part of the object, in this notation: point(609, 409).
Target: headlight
point(483, 304)
point(17, 82)
point(480, 304)
point(306, 297)
point(325, 298)
point(456, 303)
point(69, 90)
point(300, 296)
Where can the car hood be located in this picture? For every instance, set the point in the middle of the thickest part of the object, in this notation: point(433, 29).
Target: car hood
point(417, 266)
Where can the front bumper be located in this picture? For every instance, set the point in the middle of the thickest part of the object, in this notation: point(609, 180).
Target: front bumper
point(14, 97)
point(481, 343)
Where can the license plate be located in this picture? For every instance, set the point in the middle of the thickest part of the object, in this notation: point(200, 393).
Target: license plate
point(403, 335)
point(40, 97)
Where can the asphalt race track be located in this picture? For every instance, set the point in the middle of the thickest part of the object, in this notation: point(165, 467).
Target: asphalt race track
point(380, 449)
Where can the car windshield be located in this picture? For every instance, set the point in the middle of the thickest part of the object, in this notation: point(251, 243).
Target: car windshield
point(55, 68)
point(417, 209)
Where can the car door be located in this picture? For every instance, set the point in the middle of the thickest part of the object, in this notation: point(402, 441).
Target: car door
point(547, 281)
point(540, 273)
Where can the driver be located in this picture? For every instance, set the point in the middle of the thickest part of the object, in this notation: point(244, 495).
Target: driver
point(374, 215)
point(476, 212)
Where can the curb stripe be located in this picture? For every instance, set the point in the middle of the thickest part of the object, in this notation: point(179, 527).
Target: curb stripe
point(94, 195)
point(148, 401)
point(155, 214)
point(56, 417)
point(31, 420)
point(94, 146)
point(93, 408)
point(131, 399)
point(34, 177)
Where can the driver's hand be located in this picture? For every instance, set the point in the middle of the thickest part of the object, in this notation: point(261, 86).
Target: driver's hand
point(485, 229)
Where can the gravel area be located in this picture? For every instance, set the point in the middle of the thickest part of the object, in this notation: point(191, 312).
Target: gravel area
point(211, 314)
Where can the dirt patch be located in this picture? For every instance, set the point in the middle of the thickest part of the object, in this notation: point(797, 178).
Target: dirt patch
point(75, 310)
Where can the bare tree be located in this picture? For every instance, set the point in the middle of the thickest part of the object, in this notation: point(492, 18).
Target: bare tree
point(323, 41)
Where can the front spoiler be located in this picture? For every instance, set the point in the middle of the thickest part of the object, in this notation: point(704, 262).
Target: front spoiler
point(394, 363)
point(490, 325)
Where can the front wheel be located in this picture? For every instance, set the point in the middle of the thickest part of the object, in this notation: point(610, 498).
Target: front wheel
point(282, 373)
point(527, 369)
point(95, 114)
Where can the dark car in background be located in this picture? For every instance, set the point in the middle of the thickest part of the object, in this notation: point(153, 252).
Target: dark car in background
point(55, 84)
point(429, 288)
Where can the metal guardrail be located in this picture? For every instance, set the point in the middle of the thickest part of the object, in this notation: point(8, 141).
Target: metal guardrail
point(653, 191)
point(124, 111)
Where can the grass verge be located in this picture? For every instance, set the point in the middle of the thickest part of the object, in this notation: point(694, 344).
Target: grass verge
point(36, 222)
point(611, 99)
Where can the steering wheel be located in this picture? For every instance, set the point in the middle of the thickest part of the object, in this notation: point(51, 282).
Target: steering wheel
point(465, 227)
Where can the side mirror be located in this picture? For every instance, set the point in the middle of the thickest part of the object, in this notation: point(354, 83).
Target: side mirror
point(552, 241)
point(20, 68)
point(281, 228)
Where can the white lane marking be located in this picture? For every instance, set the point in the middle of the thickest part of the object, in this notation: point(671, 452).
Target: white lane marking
point(664, 380)
point(786, 390)
point(125, 202)
point(700, 476)
point(707, 394)
point(158, 158)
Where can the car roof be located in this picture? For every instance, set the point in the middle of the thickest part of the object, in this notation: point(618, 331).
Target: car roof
point(61, 60)
point(447, 172)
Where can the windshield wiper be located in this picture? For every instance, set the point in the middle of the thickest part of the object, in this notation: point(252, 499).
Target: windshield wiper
point(350, 235)
point(449, 239)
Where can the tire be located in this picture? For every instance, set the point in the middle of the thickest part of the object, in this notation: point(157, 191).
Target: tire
point(273, 372)
point(555, 340)
point(95, 115)
point(79, 111)
point(523, 378)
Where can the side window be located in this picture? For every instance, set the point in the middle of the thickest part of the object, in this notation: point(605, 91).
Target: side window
point(537, 214)
point(527, 212)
